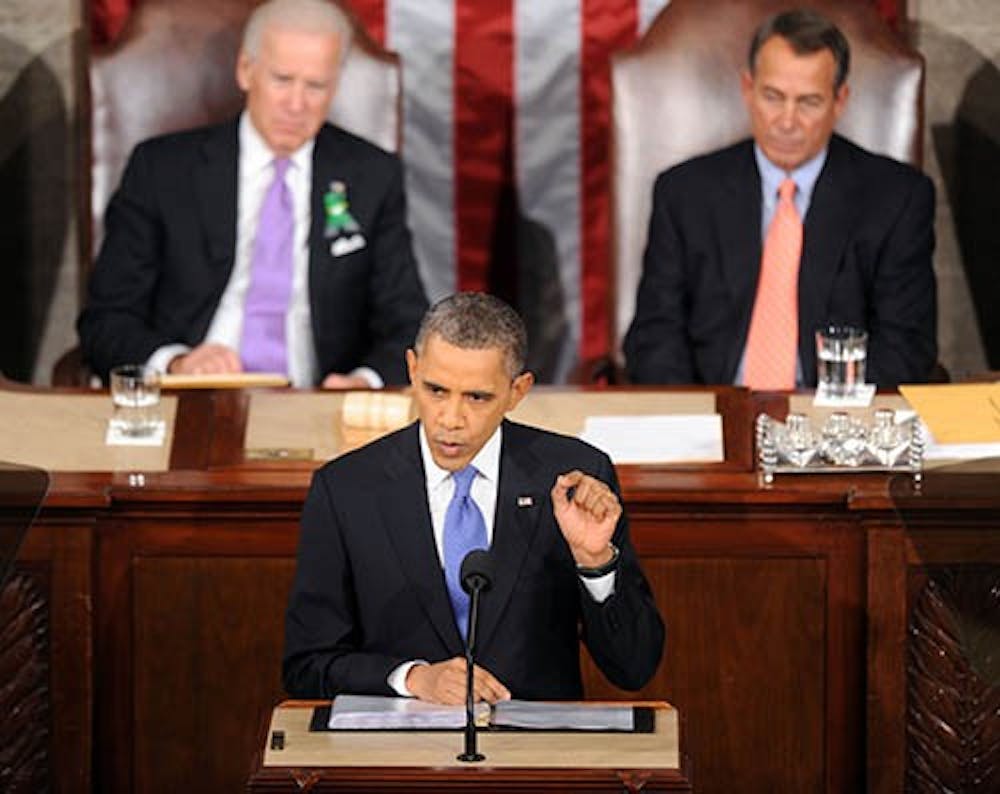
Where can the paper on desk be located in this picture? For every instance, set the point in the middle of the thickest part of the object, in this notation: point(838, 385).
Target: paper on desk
point(935, 451)
point(372, 712)
point(114, 437)
point(966, 413)
point(688, 438)
point(567, 716)
point(861, 398)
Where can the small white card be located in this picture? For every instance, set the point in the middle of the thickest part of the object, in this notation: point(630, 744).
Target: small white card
point(863, 395)
point(115, 438)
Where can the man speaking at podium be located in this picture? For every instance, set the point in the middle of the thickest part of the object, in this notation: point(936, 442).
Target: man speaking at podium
point(376, 607)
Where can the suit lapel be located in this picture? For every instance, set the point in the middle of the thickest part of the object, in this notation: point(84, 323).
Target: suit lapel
point(330, 163)
point(325, 160)
point(740, 240)
point(827, 229)
point(215, 189)
point(407, 521)
point(519, 507)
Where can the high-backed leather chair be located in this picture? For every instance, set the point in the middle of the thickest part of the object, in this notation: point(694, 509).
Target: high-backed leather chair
point(174, 67)
point(676, 94)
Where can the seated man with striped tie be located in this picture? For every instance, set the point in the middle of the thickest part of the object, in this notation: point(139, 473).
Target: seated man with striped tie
point(376, 606)
point(274, 242)
point(753, 247)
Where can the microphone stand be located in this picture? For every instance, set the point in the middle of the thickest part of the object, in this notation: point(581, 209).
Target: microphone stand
point(471, 754)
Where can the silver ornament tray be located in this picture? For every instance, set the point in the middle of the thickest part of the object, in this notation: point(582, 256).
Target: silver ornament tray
point(843, 443)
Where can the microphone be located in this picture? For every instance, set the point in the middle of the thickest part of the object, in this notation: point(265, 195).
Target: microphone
point(476, 576)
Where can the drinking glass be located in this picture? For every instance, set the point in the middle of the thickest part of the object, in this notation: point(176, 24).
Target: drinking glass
point(135, 392)
point(841, 352)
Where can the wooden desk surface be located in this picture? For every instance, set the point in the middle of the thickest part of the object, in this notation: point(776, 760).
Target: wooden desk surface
point(437, 749)
point(426, 760)
point(61, 431)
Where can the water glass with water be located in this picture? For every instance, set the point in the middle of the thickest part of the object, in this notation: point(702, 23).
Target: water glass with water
point(135, 392)
point(841, 352)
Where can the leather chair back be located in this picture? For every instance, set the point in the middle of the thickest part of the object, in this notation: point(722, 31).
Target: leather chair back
point(676, 94)
point(174, 67)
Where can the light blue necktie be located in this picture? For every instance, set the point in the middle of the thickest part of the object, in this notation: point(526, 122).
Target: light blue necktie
point(263, 347)
point(464, 530)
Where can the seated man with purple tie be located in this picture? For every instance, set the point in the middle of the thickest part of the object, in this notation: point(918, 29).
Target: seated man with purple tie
point(754, 247)
point(274, 242)
point(376, 606)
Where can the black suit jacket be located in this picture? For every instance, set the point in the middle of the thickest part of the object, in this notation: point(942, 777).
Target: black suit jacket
point(369, 590)
point(866, 261)
point(170, 246)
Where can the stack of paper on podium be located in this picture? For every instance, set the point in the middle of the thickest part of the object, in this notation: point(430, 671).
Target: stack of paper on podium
point(370, 712)
point(565, 716)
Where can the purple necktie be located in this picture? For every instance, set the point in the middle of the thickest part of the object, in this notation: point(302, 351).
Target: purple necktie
point(464, 530)
point(263, 348)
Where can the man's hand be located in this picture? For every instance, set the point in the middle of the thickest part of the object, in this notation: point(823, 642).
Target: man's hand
point(337, 381)
point(587, 512)
point(444, 682)
point(208, 359)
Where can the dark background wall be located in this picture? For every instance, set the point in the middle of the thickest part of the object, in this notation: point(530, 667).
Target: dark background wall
point(40, 52)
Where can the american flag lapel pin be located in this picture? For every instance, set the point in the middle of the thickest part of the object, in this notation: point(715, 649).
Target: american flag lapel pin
point(525, 501)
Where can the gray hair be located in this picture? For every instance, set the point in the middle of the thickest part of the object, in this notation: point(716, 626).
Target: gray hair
point(806, 31)
point(310, 16)
point(476, 321)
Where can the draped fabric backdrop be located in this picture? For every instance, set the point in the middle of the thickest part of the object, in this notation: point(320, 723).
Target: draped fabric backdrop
point(506, 109)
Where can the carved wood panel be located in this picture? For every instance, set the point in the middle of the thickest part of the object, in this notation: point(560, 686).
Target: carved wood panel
point(24, 686)
point(953, 682)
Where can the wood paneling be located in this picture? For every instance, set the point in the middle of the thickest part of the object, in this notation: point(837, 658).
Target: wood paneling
point(25, 741)
point(211, 627)
point(934, 642)
point(759, 611)
point(48, 605)
point(195, 599)
point(953, 681)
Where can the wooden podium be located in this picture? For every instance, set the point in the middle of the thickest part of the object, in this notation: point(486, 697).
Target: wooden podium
point(516, 761)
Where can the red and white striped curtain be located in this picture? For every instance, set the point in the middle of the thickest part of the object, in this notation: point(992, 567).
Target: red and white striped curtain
point(505, 140)
point(506, 108)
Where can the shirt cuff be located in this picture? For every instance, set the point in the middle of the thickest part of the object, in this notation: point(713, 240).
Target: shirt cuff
point(162, 357)
point(397, 678)
point(601, 588)
point(373, 379)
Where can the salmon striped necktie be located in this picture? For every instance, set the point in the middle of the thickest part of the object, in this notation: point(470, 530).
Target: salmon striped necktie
point(774, 325)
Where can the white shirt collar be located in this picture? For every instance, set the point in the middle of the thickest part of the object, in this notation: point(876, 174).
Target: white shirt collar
point(256, 155)
point(486, 461)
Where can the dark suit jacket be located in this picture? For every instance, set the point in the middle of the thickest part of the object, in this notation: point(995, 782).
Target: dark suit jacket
point(866, 261)
point(369, 590)
point(170, 247)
